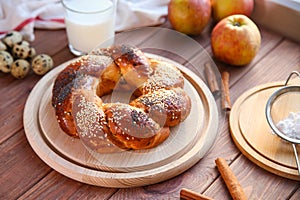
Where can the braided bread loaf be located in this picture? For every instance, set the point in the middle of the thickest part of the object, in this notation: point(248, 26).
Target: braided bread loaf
point(157, 100)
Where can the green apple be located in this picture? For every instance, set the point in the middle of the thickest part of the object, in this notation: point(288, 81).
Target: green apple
point(189, 16)
point(225, 8)
point(235, 40)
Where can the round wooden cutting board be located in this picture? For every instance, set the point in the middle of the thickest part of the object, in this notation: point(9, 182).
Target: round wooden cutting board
point(175, 146)
point(254, 137)
point(139, 168)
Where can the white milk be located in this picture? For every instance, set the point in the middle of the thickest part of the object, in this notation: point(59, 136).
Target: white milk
point(87, 30)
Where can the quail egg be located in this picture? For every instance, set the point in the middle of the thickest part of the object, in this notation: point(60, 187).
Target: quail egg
point(21, 50)
point(20, 68)
point(2, 46)
point(41, 64)
point(12, 38)
point(6, 61)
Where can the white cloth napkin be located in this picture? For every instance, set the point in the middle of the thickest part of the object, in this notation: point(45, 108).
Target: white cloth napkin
point(25, 15)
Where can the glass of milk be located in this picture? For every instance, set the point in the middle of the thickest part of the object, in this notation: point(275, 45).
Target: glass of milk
point(89, 24)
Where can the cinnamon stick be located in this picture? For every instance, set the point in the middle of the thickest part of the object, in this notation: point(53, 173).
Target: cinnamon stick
point(191, 195)
point(232, 183)
point(211, 79)
point(226, 102)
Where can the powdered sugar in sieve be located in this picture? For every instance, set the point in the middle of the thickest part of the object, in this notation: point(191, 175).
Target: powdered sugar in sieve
point(290, 126)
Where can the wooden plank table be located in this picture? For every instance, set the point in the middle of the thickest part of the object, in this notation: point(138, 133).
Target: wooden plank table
point(25, 176)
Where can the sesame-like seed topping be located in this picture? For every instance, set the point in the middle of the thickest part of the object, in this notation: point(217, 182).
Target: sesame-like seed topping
point(130, 123)
point(165, 76)
point(88, 119)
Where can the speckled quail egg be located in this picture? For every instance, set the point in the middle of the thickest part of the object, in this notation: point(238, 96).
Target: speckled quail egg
point(2, 46)
point(41, 64)
point(22, 50)
point(6, 61)
point(32, 52)
point(20, 68)
point(12, 38)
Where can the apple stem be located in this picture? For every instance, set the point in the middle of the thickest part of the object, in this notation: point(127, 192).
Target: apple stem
point(236, 24)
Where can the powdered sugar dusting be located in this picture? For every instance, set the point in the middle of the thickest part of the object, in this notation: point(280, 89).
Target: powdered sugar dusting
point(290, 126)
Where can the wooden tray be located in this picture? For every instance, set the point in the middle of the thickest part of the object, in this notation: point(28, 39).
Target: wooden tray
point(175, 146)
point(254, 137)
point(80, 165)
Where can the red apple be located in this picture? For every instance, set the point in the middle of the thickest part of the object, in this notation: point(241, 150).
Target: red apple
point(235, 40)
point(189, 16)
point(222, 8)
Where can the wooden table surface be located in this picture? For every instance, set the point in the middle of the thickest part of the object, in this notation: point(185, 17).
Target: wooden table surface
point(24, 175)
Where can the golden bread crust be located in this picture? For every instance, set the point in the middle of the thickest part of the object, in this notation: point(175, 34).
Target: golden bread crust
point(168, 107)
point(108, 127)
point(132, 128)
point(83, 72)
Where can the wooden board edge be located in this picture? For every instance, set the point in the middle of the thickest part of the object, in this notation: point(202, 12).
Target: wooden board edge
point(245, 148)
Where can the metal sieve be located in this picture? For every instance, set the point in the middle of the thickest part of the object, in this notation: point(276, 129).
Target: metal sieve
point(281, 103)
